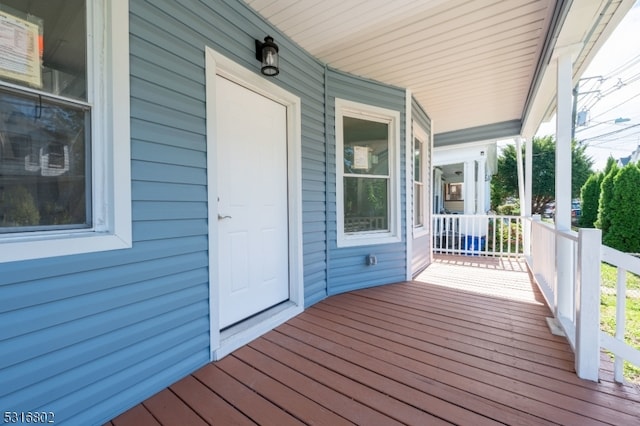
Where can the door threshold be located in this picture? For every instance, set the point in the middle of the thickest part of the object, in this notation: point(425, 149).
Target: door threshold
point(239, 334)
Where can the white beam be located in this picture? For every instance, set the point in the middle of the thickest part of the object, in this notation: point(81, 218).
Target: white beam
point(469, 187)
point(410, 196)
point(528, 192)
point(481, 184)
point(564, 118)
point(520, 175)
point(564, 246)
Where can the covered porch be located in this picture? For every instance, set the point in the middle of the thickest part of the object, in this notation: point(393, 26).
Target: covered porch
point(466, 342)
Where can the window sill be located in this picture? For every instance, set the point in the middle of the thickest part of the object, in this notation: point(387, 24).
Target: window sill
point(367, 239)
point(29, 248)
point(420, 231)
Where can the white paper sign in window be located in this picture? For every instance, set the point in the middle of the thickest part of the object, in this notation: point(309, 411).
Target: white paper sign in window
point(361, 157)
point(19, 50)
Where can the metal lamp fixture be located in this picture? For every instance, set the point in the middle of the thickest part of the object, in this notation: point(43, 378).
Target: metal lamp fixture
point(267, 53)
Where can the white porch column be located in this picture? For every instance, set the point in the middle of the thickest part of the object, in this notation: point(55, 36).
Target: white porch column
point(481, 184)
point(520, 175)
point(528, 189)
point(469, 187)
point(437, 191)
point(587, 360)
point(564, 255)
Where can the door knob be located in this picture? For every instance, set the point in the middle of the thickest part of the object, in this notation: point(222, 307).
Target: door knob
point(220, 217)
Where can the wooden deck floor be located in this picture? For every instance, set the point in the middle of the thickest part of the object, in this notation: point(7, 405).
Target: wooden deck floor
point(465, 343)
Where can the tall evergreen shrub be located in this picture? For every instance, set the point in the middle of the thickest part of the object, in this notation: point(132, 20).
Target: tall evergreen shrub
point(624, 209)
point(590, 200)
point(606, 196)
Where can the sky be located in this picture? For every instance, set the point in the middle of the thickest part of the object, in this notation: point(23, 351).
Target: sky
point(609, 90)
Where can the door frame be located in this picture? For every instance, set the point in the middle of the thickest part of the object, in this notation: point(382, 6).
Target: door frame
point(223, 343)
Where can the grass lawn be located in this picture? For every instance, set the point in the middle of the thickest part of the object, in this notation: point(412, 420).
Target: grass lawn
point(608, 314)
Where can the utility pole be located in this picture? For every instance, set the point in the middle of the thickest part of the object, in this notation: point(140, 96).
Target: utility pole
point(574, 111)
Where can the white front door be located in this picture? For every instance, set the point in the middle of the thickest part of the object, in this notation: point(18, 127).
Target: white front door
point(253, 234)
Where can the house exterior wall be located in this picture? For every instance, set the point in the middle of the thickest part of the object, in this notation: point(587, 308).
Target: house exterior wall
point(476, 189)
point(87, 336)
point(347, 265)
point(421, 247)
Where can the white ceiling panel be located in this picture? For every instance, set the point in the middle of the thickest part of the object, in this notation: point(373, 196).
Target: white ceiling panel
point(468, 62)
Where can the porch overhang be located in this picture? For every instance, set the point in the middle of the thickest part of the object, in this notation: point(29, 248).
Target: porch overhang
point(504, 130)
point(482, 70)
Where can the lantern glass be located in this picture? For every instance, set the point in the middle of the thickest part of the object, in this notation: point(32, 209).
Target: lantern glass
point(270, 61)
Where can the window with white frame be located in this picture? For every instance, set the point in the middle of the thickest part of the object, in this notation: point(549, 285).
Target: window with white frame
point(421, 148)
point(64, 127)
point(418, 183)
point(367, 144)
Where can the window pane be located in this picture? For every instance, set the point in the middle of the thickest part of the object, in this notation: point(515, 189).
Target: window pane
point(366, 147)
point(44, 45)
point(43, 153)
point(417, 160)
point(366, 204)
point(417, 204)
point(454, 192)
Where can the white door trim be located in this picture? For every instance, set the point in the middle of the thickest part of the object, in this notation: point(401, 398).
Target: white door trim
point(409, 182)
point(241, 334)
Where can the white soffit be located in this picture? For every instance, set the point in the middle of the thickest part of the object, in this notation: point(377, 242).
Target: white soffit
point(468, 62)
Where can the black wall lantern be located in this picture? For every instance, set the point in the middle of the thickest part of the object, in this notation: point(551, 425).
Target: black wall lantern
point(267, 53)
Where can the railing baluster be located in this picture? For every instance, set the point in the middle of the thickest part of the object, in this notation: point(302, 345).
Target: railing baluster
point(477, 235)
point(621, 319)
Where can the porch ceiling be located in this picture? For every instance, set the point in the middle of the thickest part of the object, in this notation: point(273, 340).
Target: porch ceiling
point(471, 64)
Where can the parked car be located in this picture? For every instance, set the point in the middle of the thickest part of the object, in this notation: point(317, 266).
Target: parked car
point(550, 210)
point(576, 210)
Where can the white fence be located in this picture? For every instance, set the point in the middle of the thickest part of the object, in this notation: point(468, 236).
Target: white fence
point(566, 266)
point(478, 235)
point(616, 344)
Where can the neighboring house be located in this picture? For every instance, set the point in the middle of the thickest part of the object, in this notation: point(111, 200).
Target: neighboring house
point(633, 158)
point(462, 176)
point(163, 203)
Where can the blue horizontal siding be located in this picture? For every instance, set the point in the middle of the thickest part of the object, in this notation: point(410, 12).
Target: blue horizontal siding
point(163, 172)
point(152, 210)
point(157, 153)
point(20, 280)
point(60, 360)
point(162, 137)
point(165, 364)
point(161, 114)
point(155, 191)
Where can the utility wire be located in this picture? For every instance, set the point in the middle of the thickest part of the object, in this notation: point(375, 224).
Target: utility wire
point(610, 133)
point(616, 106)
point(625, 66)
point(631, 137)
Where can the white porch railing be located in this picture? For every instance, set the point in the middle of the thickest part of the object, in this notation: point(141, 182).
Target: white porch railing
point(478, 235)
point(566, 266)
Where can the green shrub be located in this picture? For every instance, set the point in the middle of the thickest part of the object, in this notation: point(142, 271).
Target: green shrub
point(606, 196)
point(590, 199)
point(509, 210)
point(17, 208)
point(624, 209)
point(508, 236)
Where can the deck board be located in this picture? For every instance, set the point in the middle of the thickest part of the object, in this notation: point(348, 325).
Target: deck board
point(466, 342)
